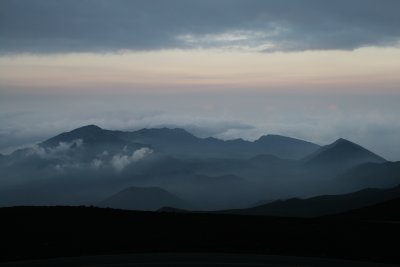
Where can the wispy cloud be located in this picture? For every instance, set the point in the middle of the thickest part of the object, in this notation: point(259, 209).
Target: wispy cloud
point(120, 161)
point(57, 151)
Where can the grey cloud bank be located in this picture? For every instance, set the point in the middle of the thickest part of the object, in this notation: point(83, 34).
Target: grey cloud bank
point(44, 26)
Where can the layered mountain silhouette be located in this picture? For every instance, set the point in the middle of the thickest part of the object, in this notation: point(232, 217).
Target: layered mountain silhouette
point(87, 164)
point(143, 198)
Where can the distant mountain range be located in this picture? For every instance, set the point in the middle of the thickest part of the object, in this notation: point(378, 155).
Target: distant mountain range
point(89, 164)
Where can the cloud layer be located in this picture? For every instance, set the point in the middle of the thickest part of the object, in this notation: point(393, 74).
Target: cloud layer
point(45, 26)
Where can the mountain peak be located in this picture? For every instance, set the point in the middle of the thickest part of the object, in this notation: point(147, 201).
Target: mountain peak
point(343, 141)
point(90, 127)
point(272, 136)
point(345, 153)
point(346, 144)
point(281, 138)
point(89, 134)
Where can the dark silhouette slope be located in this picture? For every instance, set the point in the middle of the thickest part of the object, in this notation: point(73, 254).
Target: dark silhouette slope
point(321, 205)
point(386, 211)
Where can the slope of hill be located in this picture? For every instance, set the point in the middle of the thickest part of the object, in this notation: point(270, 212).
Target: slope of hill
point(143, 198)
point(386, 211)
point(321, 205)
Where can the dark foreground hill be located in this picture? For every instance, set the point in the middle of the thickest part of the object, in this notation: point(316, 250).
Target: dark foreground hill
point(43, 232)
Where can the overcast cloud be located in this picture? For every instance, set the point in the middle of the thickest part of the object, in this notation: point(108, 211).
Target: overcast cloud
point(47, 26)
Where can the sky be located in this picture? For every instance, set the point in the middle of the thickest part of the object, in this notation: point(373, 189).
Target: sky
point(312, 69)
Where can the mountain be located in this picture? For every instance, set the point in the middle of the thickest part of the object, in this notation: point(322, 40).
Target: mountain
point(285, 147)
point(321, 205)
point(342, 154)
point(143, 198)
